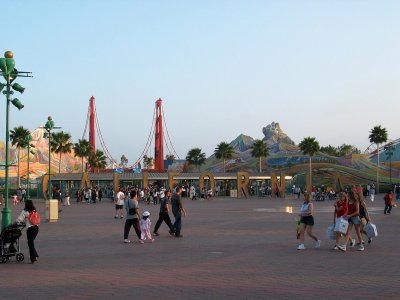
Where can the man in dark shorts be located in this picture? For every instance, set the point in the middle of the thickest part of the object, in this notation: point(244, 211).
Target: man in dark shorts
point(177, 210)
point(164, 213)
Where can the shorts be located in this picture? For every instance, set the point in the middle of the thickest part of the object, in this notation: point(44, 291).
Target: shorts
point(308, 220)
point(119, 206)
point(354, 220)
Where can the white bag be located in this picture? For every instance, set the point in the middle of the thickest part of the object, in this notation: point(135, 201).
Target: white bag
point(341, 225)
point(330, 232)
point(371, 231)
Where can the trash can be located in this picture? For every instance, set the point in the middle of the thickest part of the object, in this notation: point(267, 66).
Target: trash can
point(52, 210)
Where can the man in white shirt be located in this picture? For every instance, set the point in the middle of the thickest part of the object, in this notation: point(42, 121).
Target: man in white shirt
point(119, 204)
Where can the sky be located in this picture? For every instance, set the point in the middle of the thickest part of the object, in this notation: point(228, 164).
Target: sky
point(325, 69)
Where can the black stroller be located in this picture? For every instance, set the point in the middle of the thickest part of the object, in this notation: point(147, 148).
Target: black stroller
point(9, 242)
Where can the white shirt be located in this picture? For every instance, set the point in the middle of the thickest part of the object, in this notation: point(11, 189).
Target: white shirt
point(120, 198)
point(24, 218)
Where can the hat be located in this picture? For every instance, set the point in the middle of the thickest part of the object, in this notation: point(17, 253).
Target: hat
point(146, 214)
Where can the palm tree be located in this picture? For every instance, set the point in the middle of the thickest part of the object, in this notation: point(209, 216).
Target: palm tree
point(378, 136)
point(259, 150)
point(224, 151)
point(82, 149)
point(196, 157)
point(124, 160)
point(97, 160)
point(147, 161)
point(19, 139)
point(60, 143)
point(309, 146)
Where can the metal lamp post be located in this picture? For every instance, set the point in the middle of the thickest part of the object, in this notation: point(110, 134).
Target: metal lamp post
point(10, 73)
point(49, 126)
point(389, 150)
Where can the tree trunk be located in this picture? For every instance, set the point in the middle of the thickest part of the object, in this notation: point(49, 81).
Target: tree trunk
point(377, 173)
point(19, 178)
point(82, 164)
point(260, 165)
point(59, 165)
point(224, 166)
point(310, 176)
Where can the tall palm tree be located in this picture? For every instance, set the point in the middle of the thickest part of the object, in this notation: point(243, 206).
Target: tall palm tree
point(378, 136)
point(260, 150)
point(196, 157)
point(309, 146)
point(82, 149)
point(19, 139)
point(60, 144)
point(97, 160)
point(224, 151)
point(124, 160)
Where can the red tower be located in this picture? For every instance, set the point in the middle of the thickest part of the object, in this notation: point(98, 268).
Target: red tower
point(92, 137)
point(159, 138)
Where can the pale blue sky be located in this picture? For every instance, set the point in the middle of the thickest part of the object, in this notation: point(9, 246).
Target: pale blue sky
point(328, 69)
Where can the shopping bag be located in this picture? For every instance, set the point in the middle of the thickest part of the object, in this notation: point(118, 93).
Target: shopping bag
point(371, 231)
point(341, 225)
point(330, 232)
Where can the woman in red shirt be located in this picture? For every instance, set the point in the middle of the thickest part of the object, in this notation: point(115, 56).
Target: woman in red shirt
point(340, 210)
point(353, 216)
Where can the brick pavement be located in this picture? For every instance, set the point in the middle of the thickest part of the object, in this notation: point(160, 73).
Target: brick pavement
point(232, 249)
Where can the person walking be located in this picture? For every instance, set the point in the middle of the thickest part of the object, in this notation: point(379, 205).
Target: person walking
point(178, 211)
point(67, 197)
point(163, 215)
point(372, 192)
point(341, 207)
point(388, 203)
point(119, 204)
point(145, 226)
point(132, 217)
point(307, 222)
point(32, 229)
point(353, 216)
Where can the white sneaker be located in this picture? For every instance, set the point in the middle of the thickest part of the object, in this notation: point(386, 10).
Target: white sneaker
point(352, 242)
point(342, 248)
point(335, 248)
point(301, 247)
point(318, 244)
point(126, 241)
point(360, 247)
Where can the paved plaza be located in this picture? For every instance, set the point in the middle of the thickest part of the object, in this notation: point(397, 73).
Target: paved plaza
point(231, 249)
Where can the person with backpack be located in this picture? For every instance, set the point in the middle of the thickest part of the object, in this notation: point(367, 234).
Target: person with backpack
point(31, 218)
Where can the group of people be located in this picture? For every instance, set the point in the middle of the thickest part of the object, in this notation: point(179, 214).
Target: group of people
point(89, 195)
point(351, 209)
point(142, 224)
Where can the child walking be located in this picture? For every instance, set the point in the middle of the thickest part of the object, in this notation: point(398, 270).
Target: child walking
point(145, 226)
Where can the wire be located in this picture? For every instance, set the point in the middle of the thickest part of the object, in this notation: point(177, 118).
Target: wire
point(146, 147)
point(87, 121)
point(165, 124)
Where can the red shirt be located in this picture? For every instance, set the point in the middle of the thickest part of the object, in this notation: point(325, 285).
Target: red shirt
point(388, 199)
point(343, 211)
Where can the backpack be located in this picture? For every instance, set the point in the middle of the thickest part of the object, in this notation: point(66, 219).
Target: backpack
point(34, 218)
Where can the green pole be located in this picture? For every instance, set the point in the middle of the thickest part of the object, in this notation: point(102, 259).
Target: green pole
point(49, 186)
point(28, 197)
point(6, 213)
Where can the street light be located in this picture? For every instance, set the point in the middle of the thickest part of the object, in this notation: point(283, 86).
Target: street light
point(389, 150)
point(10, 73)
point(48, 127)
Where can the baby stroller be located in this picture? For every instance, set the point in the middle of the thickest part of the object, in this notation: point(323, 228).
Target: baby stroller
point(9, 242)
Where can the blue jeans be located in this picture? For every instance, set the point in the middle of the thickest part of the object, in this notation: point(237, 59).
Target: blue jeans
point(178, 223)
point(388, 208)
